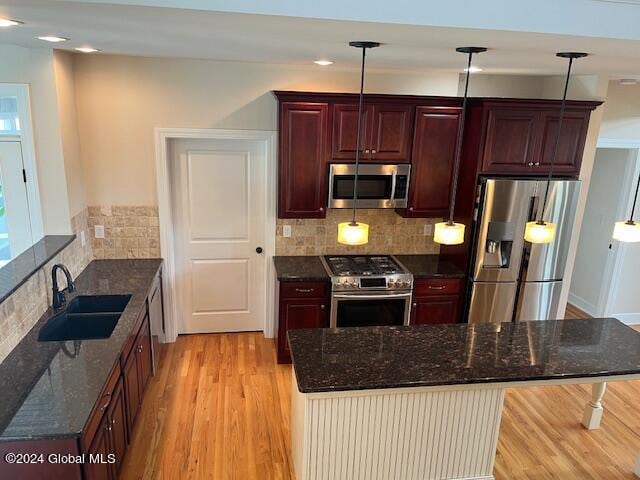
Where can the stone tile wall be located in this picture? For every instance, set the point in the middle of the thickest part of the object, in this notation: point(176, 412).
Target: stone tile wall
point(20, 312)
point(388, 233)
point(129, 231)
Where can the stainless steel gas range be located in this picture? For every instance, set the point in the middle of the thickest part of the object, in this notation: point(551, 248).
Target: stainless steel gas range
point(368, 290)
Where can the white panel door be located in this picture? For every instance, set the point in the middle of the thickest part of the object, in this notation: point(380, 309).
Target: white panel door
point(219, 202)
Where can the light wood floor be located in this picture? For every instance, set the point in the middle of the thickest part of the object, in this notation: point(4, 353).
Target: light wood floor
point(219, 408)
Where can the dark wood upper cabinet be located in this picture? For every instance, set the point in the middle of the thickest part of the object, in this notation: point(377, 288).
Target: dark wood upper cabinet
point(391, 132)
point(571, 144)
point(510, 144)
point(303, 157)
point(432, 158)
point(520, 137)
point(345, 126)
point(385, 132)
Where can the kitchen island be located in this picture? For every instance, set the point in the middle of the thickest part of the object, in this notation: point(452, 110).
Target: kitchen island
point(425, 402)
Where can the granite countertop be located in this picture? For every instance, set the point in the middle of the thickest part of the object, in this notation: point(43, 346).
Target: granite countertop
point(430, 266)
point(48, 389)
point(17, 271)
point(433, 355)
point(300, 269)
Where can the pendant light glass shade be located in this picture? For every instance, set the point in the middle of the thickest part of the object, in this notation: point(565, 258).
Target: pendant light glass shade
point(353, 233)
point(540, 232)
point(449, 233)
point(628, 232)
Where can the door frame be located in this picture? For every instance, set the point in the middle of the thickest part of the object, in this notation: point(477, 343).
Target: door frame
point(167, 234)
point(615, 261)
point(28, 147)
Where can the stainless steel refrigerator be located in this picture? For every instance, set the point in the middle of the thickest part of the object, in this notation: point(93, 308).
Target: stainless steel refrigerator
point(510, 278)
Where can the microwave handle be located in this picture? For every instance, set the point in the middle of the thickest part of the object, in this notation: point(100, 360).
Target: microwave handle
point(393, 185)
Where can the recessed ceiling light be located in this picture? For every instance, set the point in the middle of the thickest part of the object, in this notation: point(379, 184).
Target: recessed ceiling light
point(323, 63)
point(87, 49)
point(7, 22)
point(473, 69)
point(628, 81)
point(52, 38)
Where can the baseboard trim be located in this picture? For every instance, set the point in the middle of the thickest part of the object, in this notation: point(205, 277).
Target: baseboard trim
point(582, 304)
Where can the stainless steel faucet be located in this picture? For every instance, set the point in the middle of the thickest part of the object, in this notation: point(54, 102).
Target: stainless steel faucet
point(59, 298)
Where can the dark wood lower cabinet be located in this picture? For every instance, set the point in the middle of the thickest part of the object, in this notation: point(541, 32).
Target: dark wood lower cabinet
point(434, 310)
point(301, 305)
point(132, 390)
point(436, 301)
point(97, 467)
point(117, 420)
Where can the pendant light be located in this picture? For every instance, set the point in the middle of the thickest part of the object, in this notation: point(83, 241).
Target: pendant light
point(357, 233)
point(450, 232)
point(629, 231)
point(539, 231)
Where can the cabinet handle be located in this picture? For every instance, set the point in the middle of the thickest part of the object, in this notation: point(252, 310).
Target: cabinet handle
point(414, 304)
point(321, 307)
point(139, 349)
point(366, 151)
point(107, 427)
point(304, 290)
point(537, 164)
point(104, 407)
point(411, 209)
point(440, 287)
point(321, 209)
point(374, 151)
point(530, 164)
point(113, 422)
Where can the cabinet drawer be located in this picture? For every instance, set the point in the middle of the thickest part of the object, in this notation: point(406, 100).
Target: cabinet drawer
point(303, 289)
point(434, 286)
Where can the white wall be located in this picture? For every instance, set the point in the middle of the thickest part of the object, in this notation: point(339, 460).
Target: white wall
point(65, 88)
point(122, 99)
point(595, 237)
point(622, 112)
point(35, 67)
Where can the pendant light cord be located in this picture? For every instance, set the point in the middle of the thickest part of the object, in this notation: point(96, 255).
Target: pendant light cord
point(456, 164)
point(556, 144)
point(635, 200)
point(360, 107)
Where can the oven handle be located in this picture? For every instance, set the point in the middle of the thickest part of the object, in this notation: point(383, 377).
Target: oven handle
point(371, 297)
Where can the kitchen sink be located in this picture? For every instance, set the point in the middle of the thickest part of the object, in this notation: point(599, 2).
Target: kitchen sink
point(86, 317)
point(98, 304)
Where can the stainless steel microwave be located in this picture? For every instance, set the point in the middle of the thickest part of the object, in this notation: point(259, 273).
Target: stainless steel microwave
point(379, 186)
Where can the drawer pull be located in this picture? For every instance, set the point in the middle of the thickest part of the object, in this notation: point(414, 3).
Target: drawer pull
point(104, 407)
point(440, 287)
point(322, 307)
point(139, 349)
point(304, 290)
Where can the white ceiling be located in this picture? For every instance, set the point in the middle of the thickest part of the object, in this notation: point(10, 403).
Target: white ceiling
point(171, 32)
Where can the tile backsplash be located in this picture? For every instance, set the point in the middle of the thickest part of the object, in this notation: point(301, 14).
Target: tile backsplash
point(20, 312)
point(129, 231)
point(388, 233)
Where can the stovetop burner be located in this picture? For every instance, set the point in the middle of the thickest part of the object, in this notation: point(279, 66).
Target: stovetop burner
point(362, 265)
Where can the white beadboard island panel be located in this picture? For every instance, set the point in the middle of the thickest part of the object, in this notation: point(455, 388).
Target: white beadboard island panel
point(412, 433)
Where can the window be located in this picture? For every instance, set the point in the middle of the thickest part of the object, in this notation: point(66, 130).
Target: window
point(9, 119)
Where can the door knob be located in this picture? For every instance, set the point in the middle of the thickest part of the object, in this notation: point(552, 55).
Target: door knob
point(258, 249)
